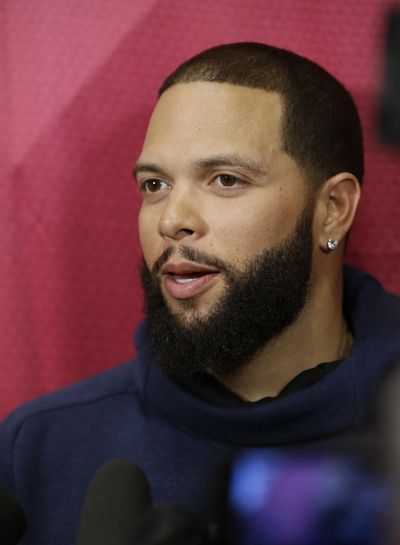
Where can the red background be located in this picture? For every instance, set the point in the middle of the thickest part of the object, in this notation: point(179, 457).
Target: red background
point(78, 82)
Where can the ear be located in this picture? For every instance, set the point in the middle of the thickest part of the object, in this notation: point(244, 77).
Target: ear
point(336, 205)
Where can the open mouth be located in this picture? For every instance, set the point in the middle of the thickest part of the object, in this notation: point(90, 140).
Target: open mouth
point(185, 280)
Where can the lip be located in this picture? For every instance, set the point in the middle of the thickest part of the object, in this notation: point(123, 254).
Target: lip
point(173, 272)
point(186, 267)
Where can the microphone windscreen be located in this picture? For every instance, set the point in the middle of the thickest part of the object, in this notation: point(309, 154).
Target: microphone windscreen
point(12, 519)
point(390, 108)
point(117, 495)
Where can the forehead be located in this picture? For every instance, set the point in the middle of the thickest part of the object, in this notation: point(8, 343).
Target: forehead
point(204, 117)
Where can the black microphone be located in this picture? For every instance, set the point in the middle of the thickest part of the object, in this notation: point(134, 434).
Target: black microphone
point(390, 107)
point(117, 495)
point(12, 519)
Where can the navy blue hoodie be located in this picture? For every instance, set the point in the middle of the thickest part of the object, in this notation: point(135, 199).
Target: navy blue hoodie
point(51, 447)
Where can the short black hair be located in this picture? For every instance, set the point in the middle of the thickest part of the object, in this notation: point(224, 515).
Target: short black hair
point(321, 127)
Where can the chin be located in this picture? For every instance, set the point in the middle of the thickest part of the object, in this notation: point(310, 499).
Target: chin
point(189, 311)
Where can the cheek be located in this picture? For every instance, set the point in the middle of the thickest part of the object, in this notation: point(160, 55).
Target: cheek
point(147, 235)
point(251, 228)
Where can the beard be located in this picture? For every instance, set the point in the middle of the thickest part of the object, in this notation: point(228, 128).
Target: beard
point(257, 304)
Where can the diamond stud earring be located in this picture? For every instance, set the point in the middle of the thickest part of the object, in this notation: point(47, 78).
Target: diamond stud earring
point(332, 244)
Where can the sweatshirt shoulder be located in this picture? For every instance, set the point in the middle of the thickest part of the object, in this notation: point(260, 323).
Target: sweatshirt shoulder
point(363, 291)
point(58, 414)
point(121, 379)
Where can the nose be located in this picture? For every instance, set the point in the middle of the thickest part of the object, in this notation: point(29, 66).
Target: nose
point(181, 216)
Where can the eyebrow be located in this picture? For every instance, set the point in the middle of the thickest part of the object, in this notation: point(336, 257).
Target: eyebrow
point(231, 160)
point(147, 167)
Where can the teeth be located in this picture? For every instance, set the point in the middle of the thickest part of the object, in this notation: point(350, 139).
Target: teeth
point(184, 280)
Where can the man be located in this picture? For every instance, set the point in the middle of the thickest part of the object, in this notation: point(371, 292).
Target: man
point(255, 337)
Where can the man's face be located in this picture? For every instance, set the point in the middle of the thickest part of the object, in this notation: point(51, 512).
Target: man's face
point(225, 227)
point(214, 178)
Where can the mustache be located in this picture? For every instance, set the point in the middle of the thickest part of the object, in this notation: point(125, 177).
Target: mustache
point(191, 254)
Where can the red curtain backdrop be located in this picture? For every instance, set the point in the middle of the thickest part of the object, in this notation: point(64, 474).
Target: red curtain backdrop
point(78, 81)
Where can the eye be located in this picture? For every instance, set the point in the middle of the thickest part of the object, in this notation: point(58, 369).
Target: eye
point(228, 180)
point(153, 185)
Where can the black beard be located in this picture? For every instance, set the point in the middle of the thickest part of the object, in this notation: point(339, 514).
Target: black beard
point(256, 306)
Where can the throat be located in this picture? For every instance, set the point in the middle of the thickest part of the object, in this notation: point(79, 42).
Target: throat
point(276, 366)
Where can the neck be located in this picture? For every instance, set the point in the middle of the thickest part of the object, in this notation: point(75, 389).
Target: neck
point(320, 334)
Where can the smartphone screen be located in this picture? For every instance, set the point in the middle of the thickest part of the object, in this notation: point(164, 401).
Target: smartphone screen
point(280, 499)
